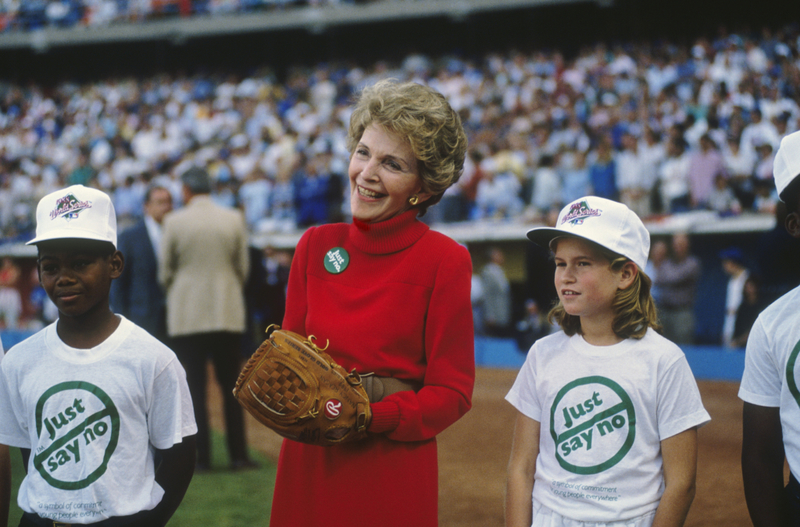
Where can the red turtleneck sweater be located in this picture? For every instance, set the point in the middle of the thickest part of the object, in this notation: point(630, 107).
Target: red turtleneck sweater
point(400, 308)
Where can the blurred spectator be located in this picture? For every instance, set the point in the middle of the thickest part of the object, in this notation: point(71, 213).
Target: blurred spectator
point(128, 201)
point(758, 132)
point(45, 311)
point(652, 153)
point(83, 173)
point(10, 298)
point(456, 201)
point(765, 198)
point(223, 192)
point(634, 179)
point(497, 196)
point(476, 297)
point(546, 188)
point(659, 252)
point(677, 280)
point(281, 204)
point(740, 166)
point(705, 164)
point(752, 305)
point(243, 158)
point(532, 327)
point(473, 175)
point(254, 196)
point(575, 182)
point(722, 199)
point(764, 163)
point(312, 193)
point(673, 183)
point(496, 295)
point(266, 289)
point(603, 171)
point(733, 264)
point(781, 121)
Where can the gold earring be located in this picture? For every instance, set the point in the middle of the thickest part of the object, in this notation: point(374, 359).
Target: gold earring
point(413, 200)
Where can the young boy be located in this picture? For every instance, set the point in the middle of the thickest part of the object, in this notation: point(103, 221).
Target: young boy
point(93, 399)
point(769, 388)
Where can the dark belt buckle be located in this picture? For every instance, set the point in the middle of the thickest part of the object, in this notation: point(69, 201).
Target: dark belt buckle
point(61, 524)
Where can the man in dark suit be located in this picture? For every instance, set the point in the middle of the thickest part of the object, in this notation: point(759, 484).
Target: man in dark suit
point(266, 287)
point(137, 295)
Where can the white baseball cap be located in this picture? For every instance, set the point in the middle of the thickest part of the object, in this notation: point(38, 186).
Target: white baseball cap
point(602, 221)
point(76, 212)
point(787, 162)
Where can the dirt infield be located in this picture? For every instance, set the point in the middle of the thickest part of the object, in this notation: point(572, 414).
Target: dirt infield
point(473, 454)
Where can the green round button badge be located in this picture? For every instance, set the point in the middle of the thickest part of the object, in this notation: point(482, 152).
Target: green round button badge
point(336, 260)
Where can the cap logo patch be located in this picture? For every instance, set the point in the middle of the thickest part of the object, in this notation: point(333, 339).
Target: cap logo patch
point(69, 207)
point(578, 212)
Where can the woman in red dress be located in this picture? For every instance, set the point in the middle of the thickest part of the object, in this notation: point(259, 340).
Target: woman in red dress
point(395, 303)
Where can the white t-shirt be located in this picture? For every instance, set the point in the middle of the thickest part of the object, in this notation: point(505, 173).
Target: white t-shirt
point(92, 418)
point(771, 370)
point(604, 411)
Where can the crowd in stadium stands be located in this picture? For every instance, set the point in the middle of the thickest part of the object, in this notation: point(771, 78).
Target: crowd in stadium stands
point(30, 15)
point(661, 126)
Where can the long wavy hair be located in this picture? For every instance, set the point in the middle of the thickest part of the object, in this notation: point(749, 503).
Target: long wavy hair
point(634, 307)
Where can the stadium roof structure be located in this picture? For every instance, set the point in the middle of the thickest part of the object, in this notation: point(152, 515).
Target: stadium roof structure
point(313, 19)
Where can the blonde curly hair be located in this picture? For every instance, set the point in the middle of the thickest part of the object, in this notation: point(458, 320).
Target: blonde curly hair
point(426, 120)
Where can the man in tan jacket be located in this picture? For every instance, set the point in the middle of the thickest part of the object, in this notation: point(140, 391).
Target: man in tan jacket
point(203, 267)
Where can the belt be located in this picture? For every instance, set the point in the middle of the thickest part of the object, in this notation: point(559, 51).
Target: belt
point(117, 521)
point(378, 387)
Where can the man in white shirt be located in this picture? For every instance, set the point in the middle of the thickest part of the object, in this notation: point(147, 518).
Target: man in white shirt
point(734, 266)
point(633, 180)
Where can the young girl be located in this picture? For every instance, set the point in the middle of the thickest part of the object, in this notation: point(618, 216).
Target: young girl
point(608, 408)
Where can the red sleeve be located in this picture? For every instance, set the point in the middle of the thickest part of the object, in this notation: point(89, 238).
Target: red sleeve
point(450, 372)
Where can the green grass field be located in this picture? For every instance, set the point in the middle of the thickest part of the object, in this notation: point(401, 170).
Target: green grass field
point(218, 497)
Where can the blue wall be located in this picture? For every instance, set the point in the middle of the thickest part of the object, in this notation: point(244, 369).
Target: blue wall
point(11, 337)
point(707, 362)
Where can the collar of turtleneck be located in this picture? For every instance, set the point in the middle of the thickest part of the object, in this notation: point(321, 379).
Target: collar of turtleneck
point(388, 236)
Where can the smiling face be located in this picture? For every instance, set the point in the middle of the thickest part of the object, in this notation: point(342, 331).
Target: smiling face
point(585, 283)
point(77, 281)
point(383, 176)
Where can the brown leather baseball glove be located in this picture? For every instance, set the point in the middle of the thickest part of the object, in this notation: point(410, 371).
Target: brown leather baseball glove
point(296, 389)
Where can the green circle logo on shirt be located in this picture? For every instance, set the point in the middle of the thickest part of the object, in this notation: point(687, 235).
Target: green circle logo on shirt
point(336, 260)
point(593, 424)
point(791, 379)
point(78, 428)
